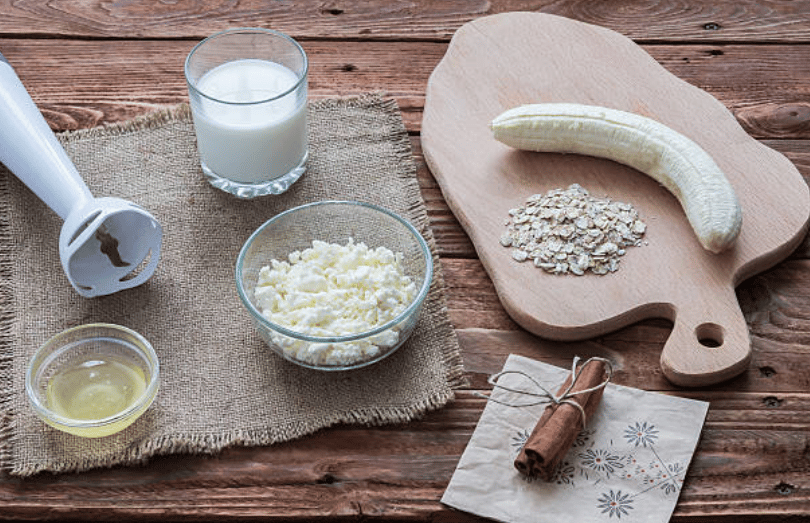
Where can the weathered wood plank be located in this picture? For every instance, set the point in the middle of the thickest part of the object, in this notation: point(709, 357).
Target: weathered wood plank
point(776, 367)
point(750, 460)
point(766, 86)
point(663, 20)
point(135, 83)
point(774, 304)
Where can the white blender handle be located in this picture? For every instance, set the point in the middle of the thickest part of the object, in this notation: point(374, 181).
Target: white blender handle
point(30, 150)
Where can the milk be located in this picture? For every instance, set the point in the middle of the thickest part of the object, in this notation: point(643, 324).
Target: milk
point(242, 134)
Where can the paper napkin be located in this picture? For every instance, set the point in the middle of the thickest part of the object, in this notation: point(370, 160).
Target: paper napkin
point(628, 464)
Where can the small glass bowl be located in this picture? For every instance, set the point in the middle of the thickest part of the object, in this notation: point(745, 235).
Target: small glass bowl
point(335, 222)
point(92, 344)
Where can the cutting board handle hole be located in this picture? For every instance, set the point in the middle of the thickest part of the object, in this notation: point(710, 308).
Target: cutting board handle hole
point(710, 335)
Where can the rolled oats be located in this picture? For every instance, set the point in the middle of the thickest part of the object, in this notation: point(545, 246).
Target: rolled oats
point(570, 231)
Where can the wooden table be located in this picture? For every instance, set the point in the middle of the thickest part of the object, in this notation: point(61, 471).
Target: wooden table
point(89, 62)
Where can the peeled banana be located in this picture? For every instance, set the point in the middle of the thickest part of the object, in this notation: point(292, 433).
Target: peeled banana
point(672, 159)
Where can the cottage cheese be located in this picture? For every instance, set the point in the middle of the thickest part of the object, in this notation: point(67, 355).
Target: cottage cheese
point(331, 290)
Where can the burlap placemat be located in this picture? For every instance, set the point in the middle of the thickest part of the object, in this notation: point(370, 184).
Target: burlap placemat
point(221, 385)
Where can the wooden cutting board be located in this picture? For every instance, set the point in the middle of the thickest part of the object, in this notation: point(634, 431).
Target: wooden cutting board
point(502, 61)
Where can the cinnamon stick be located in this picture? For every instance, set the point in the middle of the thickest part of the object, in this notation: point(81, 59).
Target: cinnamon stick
point(560, 424)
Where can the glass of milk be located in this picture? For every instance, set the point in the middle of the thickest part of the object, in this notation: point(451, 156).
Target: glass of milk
point(248, 96)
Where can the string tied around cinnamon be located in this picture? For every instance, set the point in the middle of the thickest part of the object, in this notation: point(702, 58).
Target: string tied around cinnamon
point(545, 396)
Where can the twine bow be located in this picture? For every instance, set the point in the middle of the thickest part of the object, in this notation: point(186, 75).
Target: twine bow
point(547, 396)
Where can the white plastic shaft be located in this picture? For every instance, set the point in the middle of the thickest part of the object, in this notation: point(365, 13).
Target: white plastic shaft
point(30, 150)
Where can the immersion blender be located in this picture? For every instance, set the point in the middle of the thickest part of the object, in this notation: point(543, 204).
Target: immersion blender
point(105, 244)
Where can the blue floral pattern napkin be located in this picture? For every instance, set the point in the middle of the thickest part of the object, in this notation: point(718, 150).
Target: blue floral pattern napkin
point(628, 464)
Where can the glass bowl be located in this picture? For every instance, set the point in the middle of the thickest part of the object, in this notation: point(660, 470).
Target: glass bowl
point(93, 380)
point(312, 317)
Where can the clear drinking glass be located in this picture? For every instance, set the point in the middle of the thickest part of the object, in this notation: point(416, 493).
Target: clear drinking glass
point(248, 96)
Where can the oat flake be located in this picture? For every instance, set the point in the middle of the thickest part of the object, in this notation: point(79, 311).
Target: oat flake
point(569, 231)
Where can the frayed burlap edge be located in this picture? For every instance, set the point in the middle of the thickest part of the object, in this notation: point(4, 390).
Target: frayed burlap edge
point(6, 331)
point(207, 443)
point(419, 218)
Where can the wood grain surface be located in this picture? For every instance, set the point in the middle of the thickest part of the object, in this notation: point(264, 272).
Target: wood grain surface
point(89, 62)
point(492, 65)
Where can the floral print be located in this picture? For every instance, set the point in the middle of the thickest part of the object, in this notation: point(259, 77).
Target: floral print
point(601, 460)
point(519, 439)
point(564, 475)
point(641, 434)
point(635, 462)
point(583, 438)
point(615, 503)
